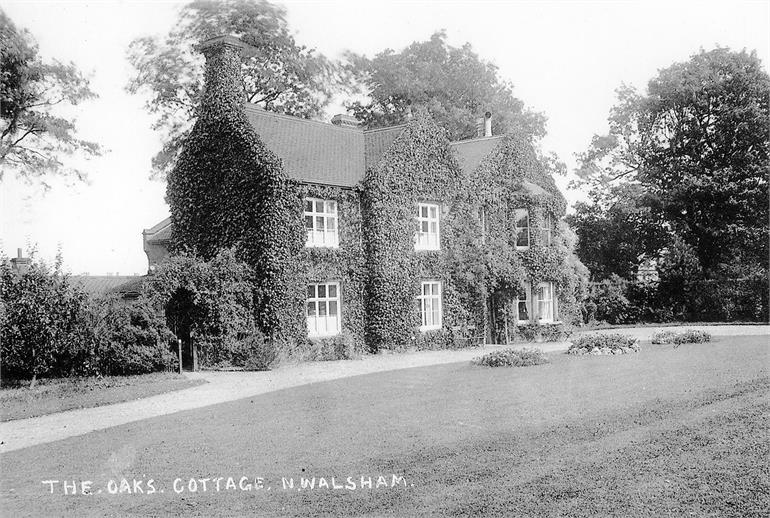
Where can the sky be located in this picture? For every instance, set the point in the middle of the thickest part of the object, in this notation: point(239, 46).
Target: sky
point(564, 58)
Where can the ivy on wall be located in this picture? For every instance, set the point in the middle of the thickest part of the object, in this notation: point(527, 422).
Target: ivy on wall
point(419, 166)
point(229, 190)
point(345, 263)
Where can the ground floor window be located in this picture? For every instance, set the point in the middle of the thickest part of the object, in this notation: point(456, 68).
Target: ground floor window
point(323, 309)
point(545, 301)
point(523, 305)
point(430, 305)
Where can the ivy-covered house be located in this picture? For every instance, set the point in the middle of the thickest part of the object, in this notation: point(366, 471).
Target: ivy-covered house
point(395, 236)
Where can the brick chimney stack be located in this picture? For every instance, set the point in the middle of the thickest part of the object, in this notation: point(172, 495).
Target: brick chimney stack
point(223, 83)
point(20, 264)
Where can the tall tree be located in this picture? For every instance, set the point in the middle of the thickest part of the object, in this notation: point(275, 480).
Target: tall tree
point(34, 137)
point(616, 228)
point(280, 75)
point(698, 141)
point(454, 84)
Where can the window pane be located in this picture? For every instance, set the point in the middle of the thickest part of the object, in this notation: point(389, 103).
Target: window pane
point(333, 308)
point(322, 291)
point(331, 224)
point(434, 288)
point(308, 205)
point(433, 210)
point(319, 222)
point(523, 310)
point(522, 237)
point(433, 227)
point(322, 309)
point(423, 211)
point(311, 291)
point(309, 222)
point(332, 291)
point(424, 227)
point(319, 206)
point(331, 207)
point(311, 309)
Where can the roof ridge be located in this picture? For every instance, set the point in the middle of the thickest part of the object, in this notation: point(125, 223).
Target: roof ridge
point(257, 109)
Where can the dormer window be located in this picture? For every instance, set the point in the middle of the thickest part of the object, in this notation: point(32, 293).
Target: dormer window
point(521, 227)
point(321, 223)
point(428, 231)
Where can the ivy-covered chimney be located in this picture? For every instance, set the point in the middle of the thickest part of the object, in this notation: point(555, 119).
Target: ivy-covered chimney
point(223, 83)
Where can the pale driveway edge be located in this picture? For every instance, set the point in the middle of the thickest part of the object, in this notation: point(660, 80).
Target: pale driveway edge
point(230, 386)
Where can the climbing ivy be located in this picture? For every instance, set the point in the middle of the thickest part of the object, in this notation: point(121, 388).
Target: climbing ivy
point(229, 190)
point(419, 166)
point(345, 263)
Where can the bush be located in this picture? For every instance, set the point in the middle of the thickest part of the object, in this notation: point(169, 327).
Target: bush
point(254, 352)
point(512, 358)
point(610, 303)
point(45, 323)
point(130, 338)
point(604, 341)
point(688, 336)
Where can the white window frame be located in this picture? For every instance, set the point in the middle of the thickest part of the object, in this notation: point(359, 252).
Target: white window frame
point(483, 223)
point(517, 213)
point(318, 233)
point(428, 240)
point(549, 317)
point(323, 325)
point(547, 229)
point(527, 302)
point(430, 319)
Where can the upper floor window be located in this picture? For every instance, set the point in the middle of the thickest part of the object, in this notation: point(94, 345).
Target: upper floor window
point(430, 305)
point(323, 309)
point(321, 222)
point(545, 301)
point(484, 224)
point(521, 226)
point(547, 230)
point(428, 232)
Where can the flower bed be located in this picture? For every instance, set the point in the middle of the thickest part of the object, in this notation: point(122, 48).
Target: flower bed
point(512, 358)
point(610, 343)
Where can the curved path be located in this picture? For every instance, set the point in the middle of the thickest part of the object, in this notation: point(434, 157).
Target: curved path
point(230, 386)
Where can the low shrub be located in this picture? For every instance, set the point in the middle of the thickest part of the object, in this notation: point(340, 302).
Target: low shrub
point(609, 341)
point(130, 338)
point(688, 336)
point(512, 358)
point(556, 332)
point(338, 347)
point(254, 352)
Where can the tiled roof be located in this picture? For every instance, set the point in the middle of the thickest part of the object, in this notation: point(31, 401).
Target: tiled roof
point(318, 152)
point(314, 152)
point(471, 152)
point(159, 233)
point(99, 284)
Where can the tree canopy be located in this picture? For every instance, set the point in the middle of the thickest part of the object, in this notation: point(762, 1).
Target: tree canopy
point(698, 142)
point(34, 136)
point(280, 75)
point(453, 83)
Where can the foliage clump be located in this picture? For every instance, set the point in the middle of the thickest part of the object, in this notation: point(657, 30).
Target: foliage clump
point(688, 336)
point(51, 328)
point(601, 341)
point(512, 358)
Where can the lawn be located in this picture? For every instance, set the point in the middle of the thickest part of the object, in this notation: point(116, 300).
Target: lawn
point(57, 395)
point(665, 432)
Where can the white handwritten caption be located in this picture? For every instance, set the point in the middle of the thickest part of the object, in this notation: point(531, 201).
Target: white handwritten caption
point(151, 486)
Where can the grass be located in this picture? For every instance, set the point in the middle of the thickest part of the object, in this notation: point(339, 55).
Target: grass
point(58, 395)
point(666, 432)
